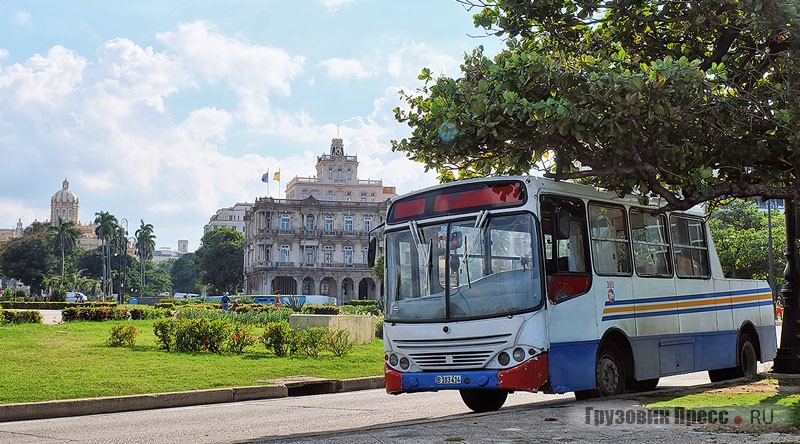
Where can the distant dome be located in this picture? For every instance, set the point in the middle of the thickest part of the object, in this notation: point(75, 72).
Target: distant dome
point(64, 195)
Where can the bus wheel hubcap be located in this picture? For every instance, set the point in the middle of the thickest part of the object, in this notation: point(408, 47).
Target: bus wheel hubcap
point(609, 375)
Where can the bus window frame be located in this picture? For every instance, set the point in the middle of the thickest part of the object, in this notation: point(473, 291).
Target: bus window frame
point(702, 221)
point(565, 275)
point(667, 236)
point(628, 239)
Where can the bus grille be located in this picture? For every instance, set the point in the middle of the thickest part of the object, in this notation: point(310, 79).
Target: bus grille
point(453, 353)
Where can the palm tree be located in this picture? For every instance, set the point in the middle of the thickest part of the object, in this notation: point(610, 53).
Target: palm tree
point(145, 245)
point(105, 228)
point(65, 237)
point(120, 248)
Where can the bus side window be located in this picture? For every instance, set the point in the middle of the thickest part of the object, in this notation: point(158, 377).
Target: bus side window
point(567, 259)
point(689, 247)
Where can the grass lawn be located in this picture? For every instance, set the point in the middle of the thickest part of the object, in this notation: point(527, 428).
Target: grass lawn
point(47, 362)
point(779, 401)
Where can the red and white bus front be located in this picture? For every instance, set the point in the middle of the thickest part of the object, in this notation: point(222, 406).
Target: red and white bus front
point(464, 288)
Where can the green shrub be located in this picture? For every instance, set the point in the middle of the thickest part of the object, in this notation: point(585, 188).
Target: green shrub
point(164, 330)
point(167, 303)
point(123, 336)
point(259, 318)
point(368, 306)
point(321, 309)
point(243, 300)
point(338, 342)
point(138, 312)
point(89, 312)
point(41, 305)
point(311, 340)
point(240, 338)
point(22, 317)
point(279, 338)
point(379, 327)
point(357, 310)
point(201, 334)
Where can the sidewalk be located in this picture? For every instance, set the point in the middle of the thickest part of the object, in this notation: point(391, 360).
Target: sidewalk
point(92, 406)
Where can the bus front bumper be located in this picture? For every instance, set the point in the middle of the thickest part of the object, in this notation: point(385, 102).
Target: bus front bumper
point(529, 376)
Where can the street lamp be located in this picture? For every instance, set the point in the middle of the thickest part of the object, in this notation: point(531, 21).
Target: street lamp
point(121, 297)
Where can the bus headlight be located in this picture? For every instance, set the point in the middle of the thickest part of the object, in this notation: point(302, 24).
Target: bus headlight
point(503, 358)
point(519, 354)
point(393, 360)
point(404, 363)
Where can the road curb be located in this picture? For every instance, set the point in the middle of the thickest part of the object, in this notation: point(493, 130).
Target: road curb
point(93, 406)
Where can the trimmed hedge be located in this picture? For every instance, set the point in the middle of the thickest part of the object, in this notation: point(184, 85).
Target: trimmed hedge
point(146, 312)
point(321, 309)
point(88, 313)
point(51, 305)
point(21, 317)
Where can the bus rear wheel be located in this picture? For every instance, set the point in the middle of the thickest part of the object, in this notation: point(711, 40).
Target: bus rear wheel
point(610, 371)
point(481, 401)
point(747, 362)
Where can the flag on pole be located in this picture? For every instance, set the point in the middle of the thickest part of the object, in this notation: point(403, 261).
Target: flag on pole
point(265, 177)
point(277, 176)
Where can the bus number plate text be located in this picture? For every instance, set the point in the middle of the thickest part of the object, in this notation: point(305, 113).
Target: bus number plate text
point(448, 379)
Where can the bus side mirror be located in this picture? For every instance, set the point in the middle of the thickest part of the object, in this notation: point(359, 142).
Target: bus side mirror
point(562, 225)
point(373, 245)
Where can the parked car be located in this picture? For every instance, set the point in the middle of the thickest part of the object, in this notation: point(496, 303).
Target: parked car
point(76, 296)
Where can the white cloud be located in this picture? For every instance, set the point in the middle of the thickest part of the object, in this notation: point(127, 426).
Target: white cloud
point(23, 18)
point(43, 80)
point(345, 69)
point(335, 5)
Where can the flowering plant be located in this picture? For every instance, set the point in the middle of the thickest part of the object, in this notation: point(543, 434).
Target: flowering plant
point(240, 338)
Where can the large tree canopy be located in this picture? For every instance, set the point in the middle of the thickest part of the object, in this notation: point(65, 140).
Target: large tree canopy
point(221, 259)
point(687, 101)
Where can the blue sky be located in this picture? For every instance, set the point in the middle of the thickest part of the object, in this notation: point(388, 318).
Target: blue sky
point(166, 111)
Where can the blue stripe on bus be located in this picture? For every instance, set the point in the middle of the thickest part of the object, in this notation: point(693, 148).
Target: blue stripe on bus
point(686, 310)
point(685, 297)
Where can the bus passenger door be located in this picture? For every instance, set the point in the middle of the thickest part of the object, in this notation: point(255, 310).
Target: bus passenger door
point(571, 315)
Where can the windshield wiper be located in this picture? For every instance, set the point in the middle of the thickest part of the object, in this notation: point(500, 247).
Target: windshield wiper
point(466, 262)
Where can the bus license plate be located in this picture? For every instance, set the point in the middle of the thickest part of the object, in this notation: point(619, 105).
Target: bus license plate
point(448, 379)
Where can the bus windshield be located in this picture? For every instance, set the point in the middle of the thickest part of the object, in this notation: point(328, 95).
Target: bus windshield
point(481, 267)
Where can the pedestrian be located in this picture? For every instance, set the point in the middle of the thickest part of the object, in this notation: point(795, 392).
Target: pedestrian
point(224, 301)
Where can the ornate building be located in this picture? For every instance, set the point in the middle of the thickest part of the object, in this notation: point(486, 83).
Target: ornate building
point(229, 217)
point(315, 241)
point(65, 204)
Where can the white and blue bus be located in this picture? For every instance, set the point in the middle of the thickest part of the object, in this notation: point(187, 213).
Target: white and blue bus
point(521, 283)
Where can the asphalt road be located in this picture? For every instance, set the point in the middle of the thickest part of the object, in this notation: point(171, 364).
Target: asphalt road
point(372, 416)
point(369, 416)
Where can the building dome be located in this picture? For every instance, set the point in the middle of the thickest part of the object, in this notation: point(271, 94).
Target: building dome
point(64, 195)
point(64, 204)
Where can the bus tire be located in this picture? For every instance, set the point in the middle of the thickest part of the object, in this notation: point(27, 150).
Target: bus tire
point(645, 385)
point(480, 401)
point(610, 371)
point(747, 360)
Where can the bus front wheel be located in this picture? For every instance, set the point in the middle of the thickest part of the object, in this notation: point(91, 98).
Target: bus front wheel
point(481, 401)
point(610, 371)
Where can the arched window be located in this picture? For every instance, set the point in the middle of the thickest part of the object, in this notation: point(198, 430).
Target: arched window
point(309, 222)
